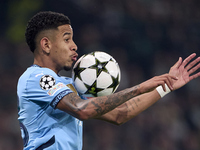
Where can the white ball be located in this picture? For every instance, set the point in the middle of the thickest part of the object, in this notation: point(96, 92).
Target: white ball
point(96, 74)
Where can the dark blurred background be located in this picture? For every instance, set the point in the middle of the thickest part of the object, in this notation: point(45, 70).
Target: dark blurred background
point(146, 37)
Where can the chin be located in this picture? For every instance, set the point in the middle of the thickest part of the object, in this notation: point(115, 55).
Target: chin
point(67, 68)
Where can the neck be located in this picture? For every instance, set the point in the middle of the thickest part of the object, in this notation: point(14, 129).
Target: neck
point(44, 63)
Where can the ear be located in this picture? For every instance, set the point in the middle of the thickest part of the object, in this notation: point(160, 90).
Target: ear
point(45, 45)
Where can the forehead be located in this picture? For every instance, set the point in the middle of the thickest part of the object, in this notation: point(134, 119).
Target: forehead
point(65, 29)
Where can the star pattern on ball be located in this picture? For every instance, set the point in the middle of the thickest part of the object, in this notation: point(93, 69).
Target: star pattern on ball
point(115, 82)
point(99, 66)
point(93, 89)
point(77, 71)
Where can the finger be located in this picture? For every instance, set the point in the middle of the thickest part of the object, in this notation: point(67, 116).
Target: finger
point(173, 77)
point(163, 86)
point(167, 80)
point(193, 63)
point(194, 69)
point(178, 63)
point(161, 83)
point(188, 59)
point(194, 76)
point(170, 81)
point(170, 77)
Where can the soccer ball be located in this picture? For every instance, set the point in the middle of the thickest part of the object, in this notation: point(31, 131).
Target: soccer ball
point(96, 74)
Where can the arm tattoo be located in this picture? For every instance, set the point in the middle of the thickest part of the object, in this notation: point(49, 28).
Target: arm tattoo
point(74, 100)
point(105, 104)
point(131, 106)
point(135, 102)
point(98, 108)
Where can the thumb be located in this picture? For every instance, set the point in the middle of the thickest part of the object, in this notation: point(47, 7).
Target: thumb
point(178, 63)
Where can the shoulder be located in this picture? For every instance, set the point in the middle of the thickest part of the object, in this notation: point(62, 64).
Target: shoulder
point(37, 77)
point(37, 82)
point(34, 72)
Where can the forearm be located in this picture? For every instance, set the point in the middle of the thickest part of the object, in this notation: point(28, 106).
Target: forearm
point(97, 106)
point(131, 108)
point(107, 103)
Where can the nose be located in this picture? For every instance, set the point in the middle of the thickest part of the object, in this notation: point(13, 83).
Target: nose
point(74, 47)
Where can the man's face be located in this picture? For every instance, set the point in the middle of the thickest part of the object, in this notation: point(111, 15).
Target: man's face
point(63, 51)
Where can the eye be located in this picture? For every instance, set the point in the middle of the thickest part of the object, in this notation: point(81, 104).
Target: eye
point(67, 40)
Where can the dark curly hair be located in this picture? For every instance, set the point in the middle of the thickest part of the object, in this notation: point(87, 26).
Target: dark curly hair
point(43, 21)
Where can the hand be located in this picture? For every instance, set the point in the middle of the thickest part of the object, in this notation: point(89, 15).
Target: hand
point(156, 81)
point(183, 70)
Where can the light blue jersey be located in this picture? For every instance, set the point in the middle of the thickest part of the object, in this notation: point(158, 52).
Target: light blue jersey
point(42, 126)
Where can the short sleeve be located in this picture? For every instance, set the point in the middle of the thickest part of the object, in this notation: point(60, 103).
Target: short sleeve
point(46, 87)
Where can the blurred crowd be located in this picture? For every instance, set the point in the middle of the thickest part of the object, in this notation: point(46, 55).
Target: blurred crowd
point(146, 37)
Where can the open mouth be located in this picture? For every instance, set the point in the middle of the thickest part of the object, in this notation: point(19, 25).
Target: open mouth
point(74, 57)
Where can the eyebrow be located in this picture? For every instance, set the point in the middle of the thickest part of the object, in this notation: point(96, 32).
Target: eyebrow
point(66, 33)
